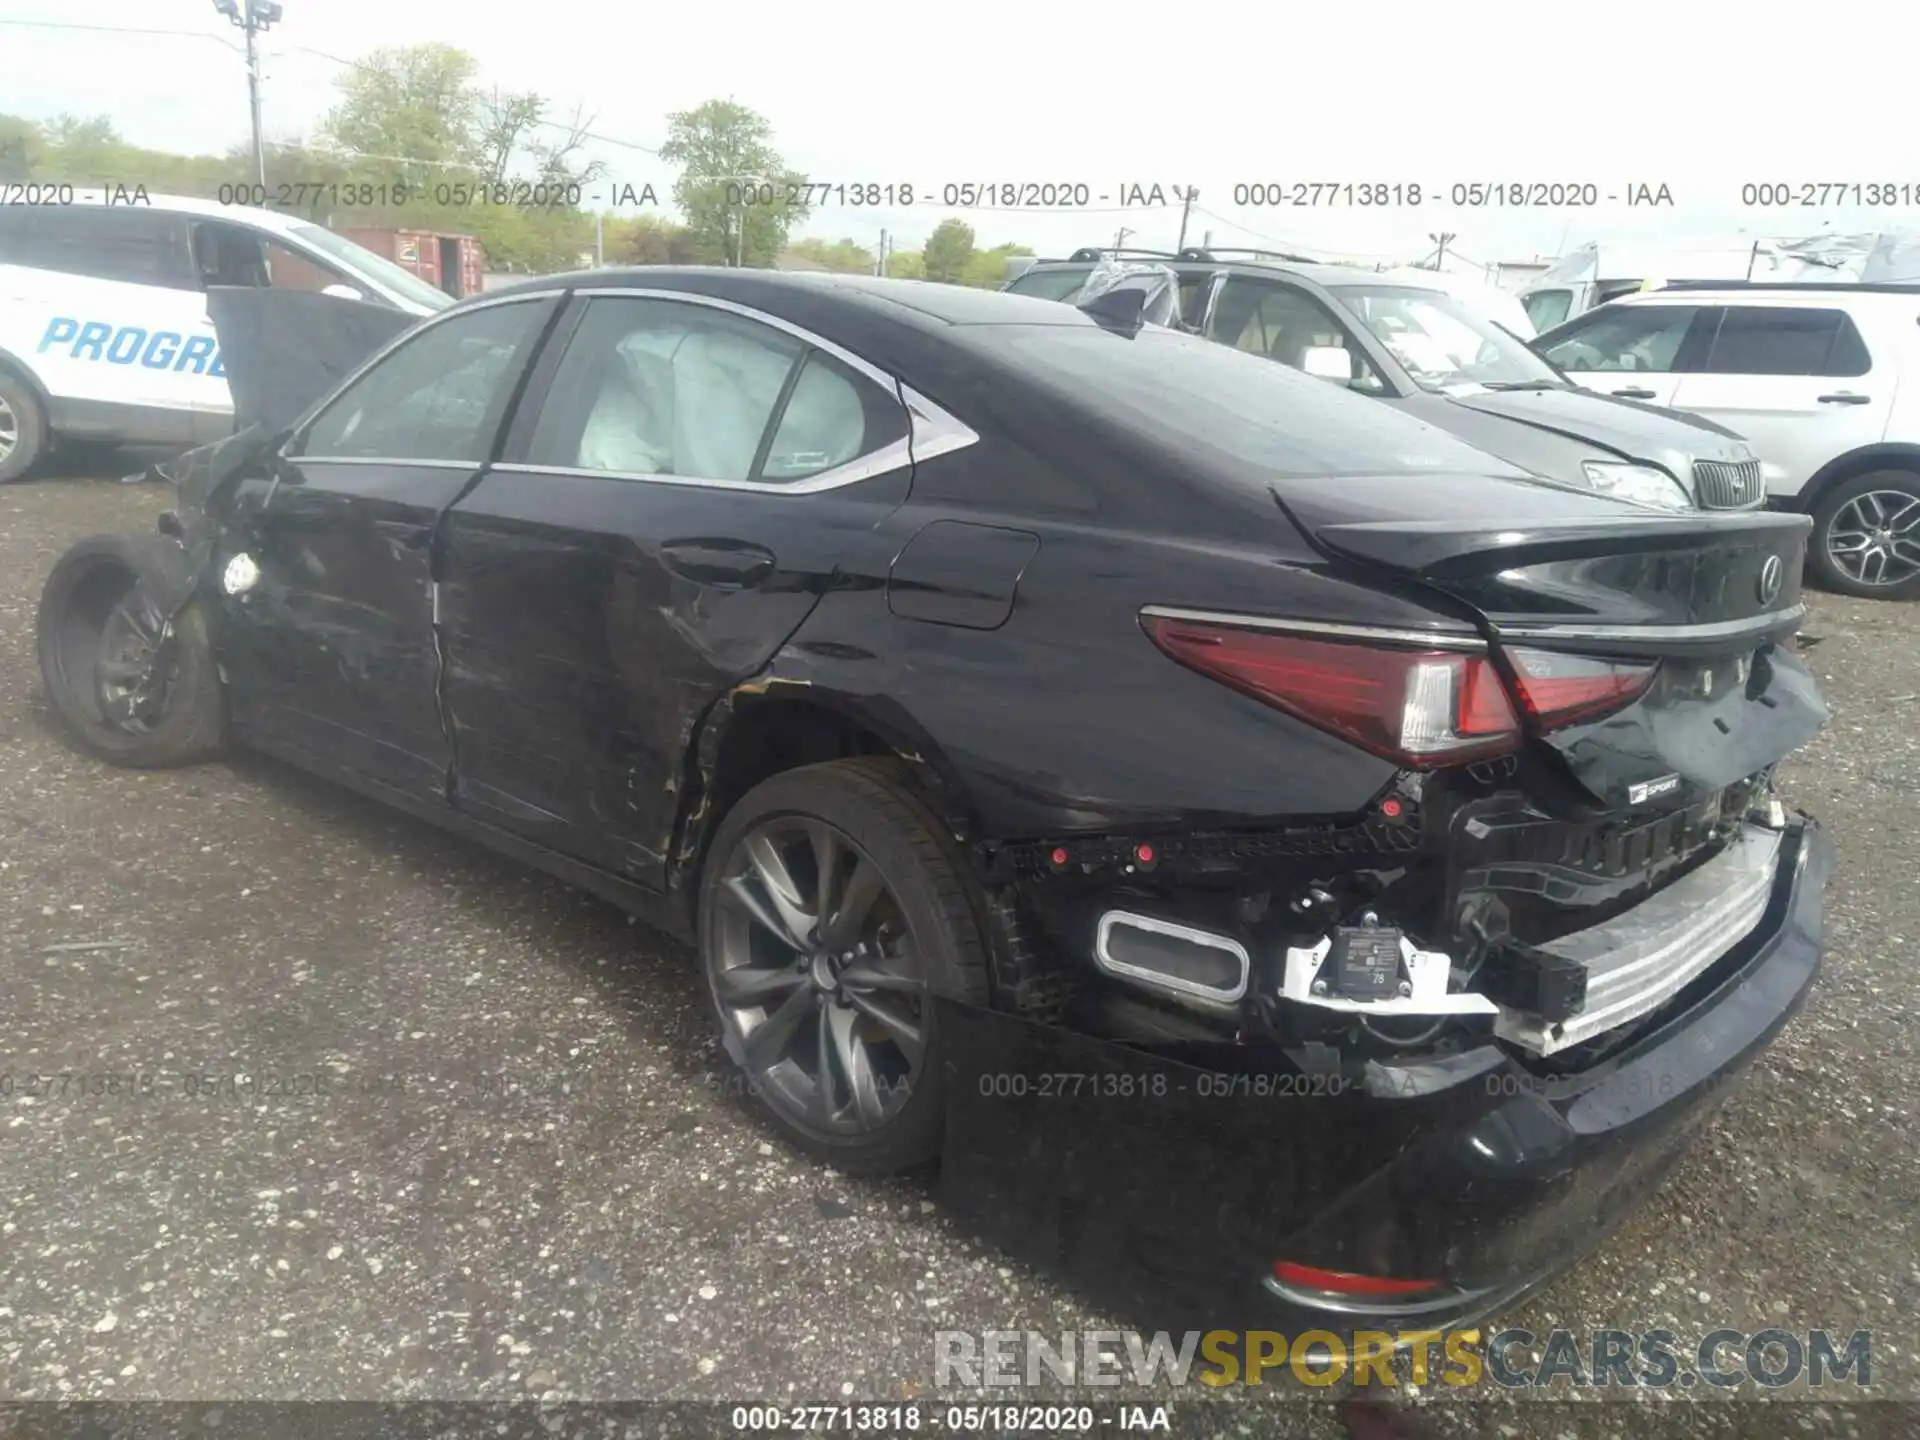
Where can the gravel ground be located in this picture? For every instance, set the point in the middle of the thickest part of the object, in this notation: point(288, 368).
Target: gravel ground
point(421, 1233)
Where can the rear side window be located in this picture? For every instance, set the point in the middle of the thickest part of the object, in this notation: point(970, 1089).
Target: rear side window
point(1787, 340)
point(131, 244)
point(665, 387)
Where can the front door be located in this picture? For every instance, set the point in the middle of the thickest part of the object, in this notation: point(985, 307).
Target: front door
point(331, 652)
point(677, 491)
point(1798, 381)
point(1632, 352)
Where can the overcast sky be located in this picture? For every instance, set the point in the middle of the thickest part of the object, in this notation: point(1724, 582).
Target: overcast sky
point(1699, 97)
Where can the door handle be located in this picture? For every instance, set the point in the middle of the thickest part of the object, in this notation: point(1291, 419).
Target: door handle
point(1634, 392)
point(1845, 397)
point(726, 564)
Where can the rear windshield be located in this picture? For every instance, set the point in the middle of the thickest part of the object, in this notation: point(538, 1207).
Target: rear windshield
point(1207, 398)
point(1051, 284)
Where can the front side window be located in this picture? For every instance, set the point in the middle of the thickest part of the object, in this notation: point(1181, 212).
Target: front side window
point(1442, 342)
point(229, 254)
point(1642, 338)
point(378, 272)
point(665, 387)
point(436, 397)
point(1787, 340)
point(1263, 317)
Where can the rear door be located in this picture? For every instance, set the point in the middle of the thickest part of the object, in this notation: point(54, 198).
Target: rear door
point(1632, 352)
point(682, 480)
point(332, 652)
point(1798, 380)
point(101, 302)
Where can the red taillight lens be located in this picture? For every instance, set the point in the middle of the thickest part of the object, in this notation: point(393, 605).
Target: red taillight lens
point(1345, 1282)
point(1565, 689)
point(1418, 707)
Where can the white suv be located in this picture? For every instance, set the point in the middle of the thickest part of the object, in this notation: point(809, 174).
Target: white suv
point(1811, 375)
point(103, 312)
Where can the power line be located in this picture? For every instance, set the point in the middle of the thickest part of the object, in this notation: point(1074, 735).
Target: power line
point(120, 30)
point(1295, 244)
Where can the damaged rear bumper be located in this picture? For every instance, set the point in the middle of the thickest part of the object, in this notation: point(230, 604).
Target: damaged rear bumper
point(1170, 1181)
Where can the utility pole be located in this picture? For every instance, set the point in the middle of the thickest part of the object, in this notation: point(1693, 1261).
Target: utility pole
point(599, 238)
point(259, 15)
point(1440, 255)
point(1120, 238)
point(1186, 206)
point(880, 263)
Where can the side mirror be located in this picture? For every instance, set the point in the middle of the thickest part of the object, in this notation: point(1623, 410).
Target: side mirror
point(1328, 362)
point(344, 292)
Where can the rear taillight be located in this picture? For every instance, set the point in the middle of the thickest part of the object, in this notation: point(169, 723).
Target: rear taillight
point(1565, 689)
point(1420, 708)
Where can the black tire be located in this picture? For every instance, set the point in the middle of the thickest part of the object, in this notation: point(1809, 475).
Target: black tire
point(1840, 513)
point(23, 428)
point(105, 599)
point(872, 804)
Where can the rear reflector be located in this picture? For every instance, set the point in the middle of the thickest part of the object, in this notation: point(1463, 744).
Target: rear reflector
point(1565, 689)
point(1345, 1282)
point(1420, 708)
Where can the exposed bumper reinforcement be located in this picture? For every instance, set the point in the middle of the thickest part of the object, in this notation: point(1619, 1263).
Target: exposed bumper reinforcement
point(1638, 961)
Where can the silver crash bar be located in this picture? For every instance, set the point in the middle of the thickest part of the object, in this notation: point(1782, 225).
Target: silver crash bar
point(1638, 961)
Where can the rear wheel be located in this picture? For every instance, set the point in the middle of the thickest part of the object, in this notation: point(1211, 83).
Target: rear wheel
point(23, 428)
point(1866, 536)
point(134, 686)
point(833, 909)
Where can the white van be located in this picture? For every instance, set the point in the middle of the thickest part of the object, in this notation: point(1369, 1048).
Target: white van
point(1594, 274)
point(103, 317)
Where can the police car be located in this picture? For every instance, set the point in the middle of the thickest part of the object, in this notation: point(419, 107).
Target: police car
point(103, 318)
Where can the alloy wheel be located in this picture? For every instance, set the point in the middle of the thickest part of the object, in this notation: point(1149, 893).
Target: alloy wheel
point(1874, 538)
point(822, 993)
point(9, 430)
point(132, 672)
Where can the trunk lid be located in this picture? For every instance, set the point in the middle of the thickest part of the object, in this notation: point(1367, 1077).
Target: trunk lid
point(1707, 598)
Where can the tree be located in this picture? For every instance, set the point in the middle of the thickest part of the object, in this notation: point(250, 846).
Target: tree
point(906, 265)
point(737, 193)
point(504, 122)
point(649, 240)
point(417, 108)
point(987, 269)
point(948, 249)
point(842, 256)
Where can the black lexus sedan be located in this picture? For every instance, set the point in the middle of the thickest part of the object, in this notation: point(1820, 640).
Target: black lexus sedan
point(993, 691)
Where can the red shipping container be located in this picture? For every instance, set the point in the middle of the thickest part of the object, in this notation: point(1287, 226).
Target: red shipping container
point(453, 263)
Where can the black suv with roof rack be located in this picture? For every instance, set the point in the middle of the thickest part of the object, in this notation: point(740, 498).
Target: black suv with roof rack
point(1402, 337)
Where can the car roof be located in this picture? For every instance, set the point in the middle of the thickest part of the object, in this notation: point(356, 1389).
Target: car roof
point(924, 300)
point(116, 199)
point(1332, 277)
point(1759, 293)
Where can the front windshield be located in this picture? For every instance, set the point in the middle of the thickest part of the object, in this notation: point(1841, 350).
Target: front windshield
point(1547, 308)
point(361, 262)
point(1443, 343)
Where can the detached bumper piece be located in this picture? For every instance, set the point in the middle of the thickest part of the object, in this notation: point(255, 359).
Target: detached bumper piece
point(1594, 980)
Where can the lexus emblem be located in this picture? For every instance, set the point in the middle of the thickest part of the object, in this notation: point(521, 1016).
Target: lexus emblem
point(1768, 585)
